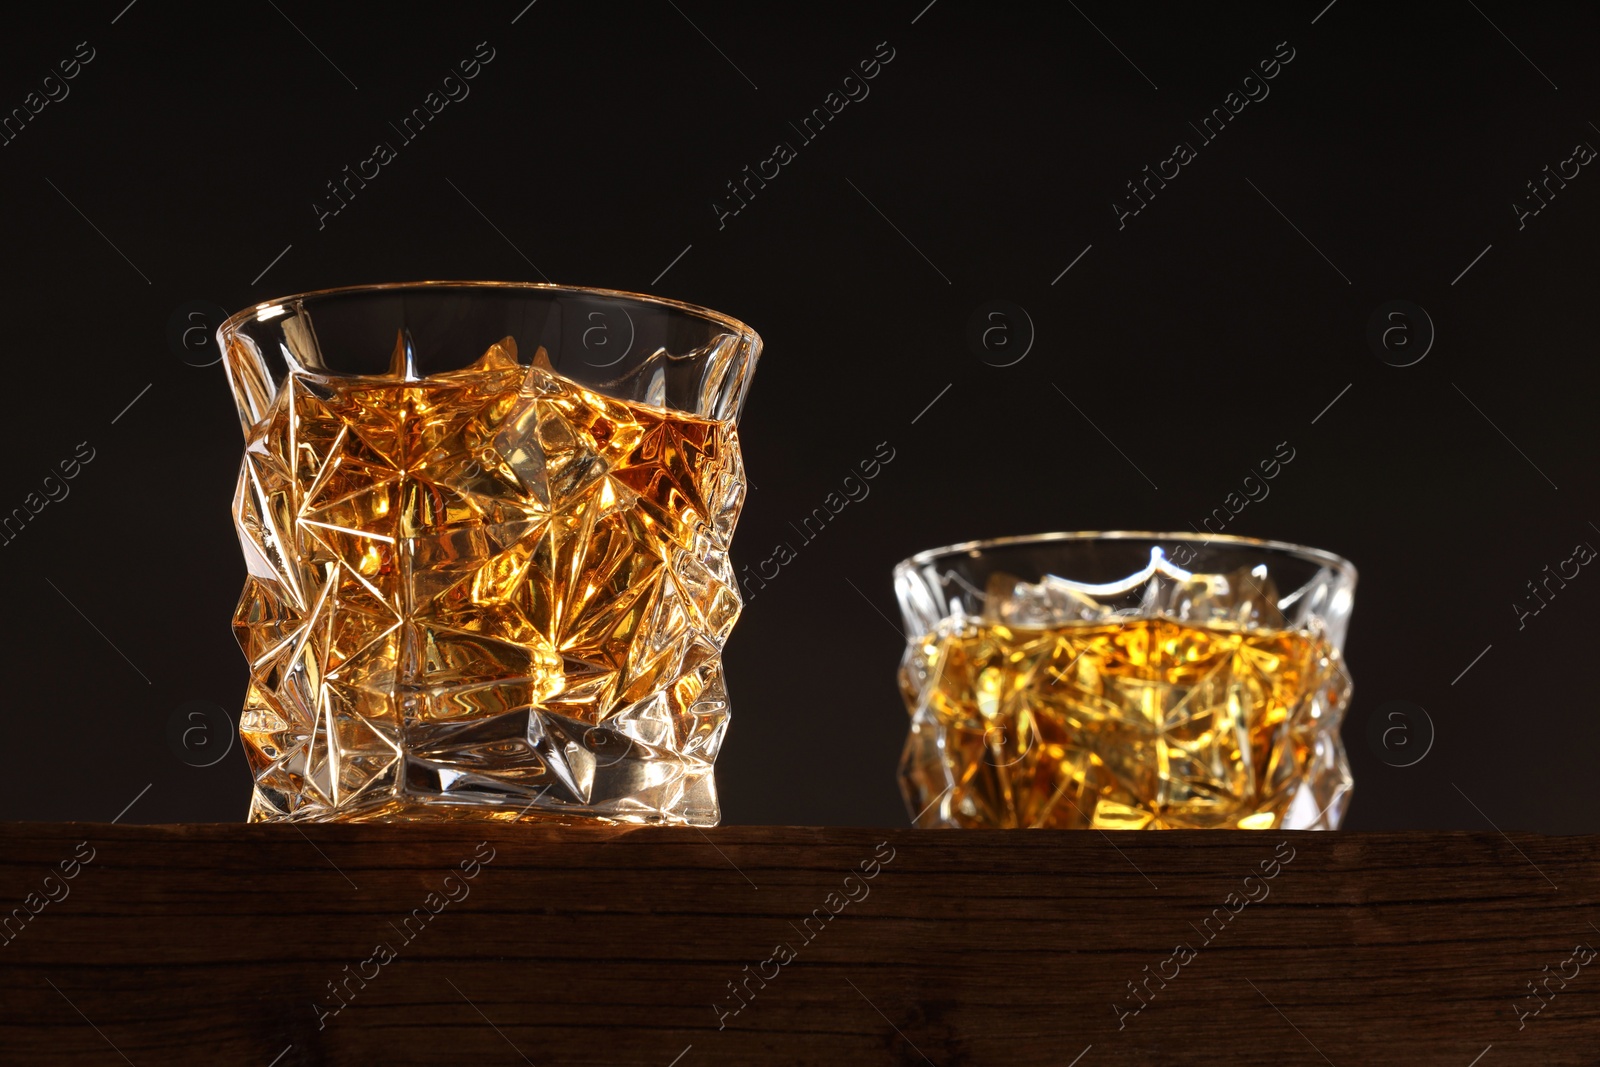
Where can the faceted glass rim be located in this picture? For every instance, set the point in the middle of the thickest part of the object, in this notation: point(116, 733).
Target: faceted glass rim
point(1287, 548)
point(232, 324)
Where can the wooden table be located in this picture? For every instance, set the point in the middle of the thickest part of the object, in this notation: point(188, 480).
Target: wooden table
point(283, 945)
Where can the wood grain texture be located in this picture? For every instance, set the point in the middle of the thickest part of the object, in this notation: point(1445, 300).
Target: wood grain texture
point(214, 944)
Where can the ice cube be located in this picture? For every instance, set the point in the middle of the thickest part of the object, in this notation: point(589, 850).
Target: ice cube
point(1050, 602)
point(1244, 597)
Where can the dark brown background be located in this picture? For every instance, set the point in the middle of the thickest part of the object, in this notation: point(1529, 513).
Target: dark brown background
point(1197, 338)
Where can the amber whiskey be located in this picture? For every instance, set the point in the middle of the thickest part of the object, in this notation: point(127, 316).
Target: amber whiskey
point(1144, 723)
point(484, 587)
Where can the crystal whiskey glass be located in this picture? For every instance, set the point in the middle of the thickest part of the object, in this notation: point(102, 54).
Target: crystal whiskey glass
point(1126, 681)
point(486, 529)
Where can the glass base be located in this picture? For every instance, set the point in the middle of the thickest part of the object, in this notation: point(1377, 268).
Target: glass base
point(687, 799)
